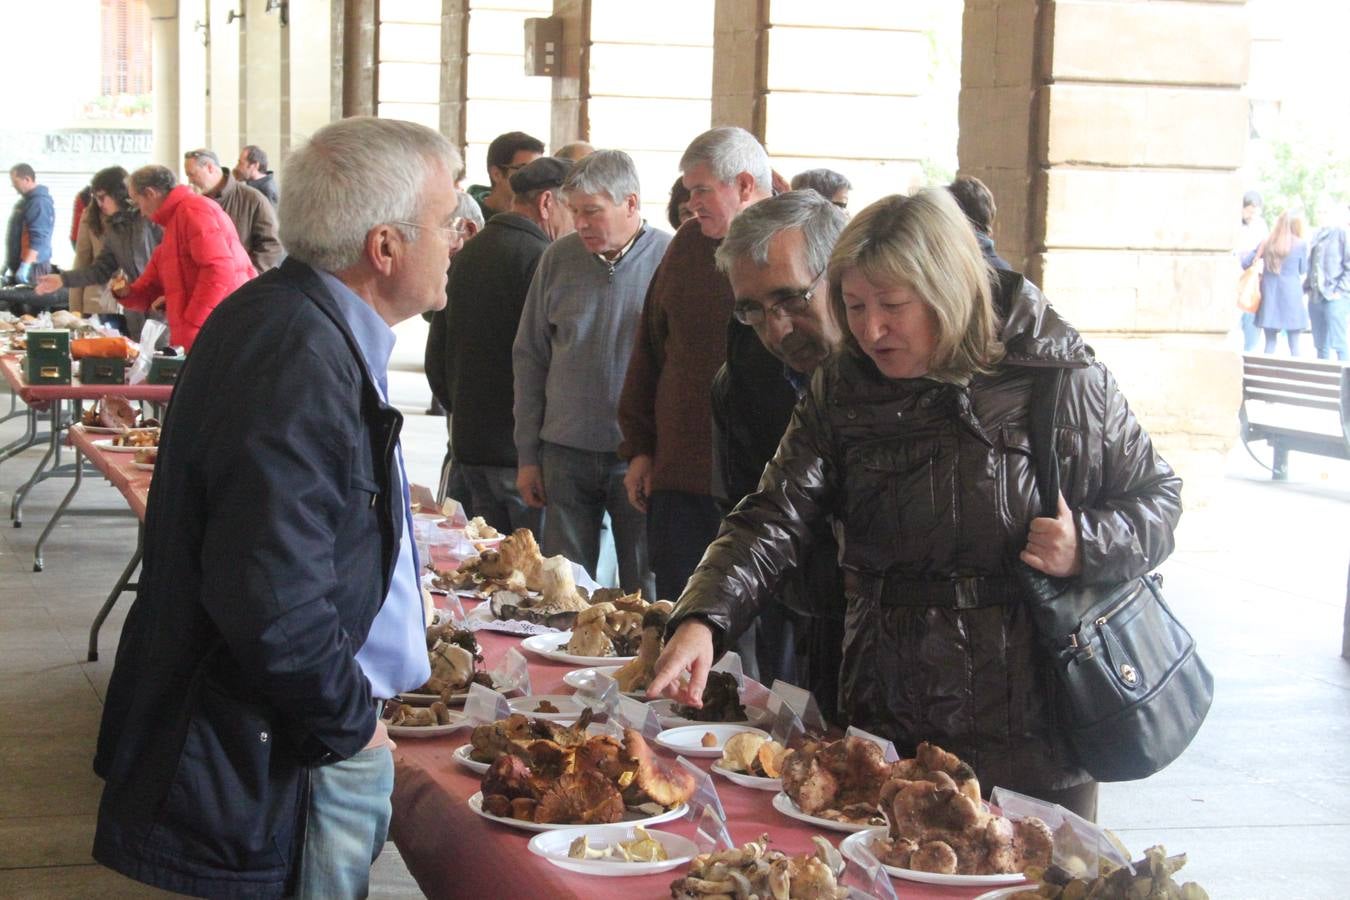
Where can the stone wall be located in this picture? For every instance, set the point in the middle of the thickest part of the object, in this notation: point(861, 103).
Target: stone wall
point(1111, 133)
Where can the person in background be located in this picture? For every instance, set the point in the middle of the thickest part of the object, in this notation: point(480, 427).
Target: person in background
point(576, 333)
point(255, 219)
point(677, 209)
point(828, 183)
point(468, 359)
point(977, 202)
point(775, 255)
point(575, 151)
point(83, 199)
point(242, 747)
point(199, 261)
point(1328, 284)
point(665, 410)
point(252, 169)
point(909, 438)
point(88, 243)
point(129, 239)
point(28, 241)
point(507, 154)
point(1252, 232)
point(1284, 255)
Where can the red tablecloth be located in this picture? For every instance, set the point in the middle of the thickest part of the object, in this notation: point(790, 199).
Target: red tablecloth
point(119, 468)
point(452, 852)
point(11, 366)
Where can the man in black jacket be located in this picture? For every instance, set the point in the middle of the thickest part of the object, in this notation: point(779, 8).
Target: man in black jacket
point(468, 358)
point(775, 255)
point(279, 602)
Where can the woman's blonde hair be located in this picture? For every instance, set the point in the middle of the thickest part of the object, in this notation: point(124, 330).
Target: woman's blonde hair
point(925, 243)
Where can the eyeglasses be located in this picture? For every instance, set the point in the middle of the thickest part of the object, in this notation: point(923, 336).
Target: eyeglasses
point(791, 304)
point(455, 231)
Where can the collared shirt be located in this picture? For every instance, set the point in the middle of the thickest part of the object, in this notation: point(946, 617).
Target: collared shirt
point(800, 383)
point(394, 656)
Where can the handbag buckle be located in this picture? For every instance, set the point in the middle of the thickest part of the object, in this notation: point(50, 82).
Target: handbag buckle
point(1128, 673)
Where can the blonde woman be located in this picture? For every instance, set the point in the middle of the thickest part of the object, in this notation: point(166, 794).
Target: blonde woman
point(914, 439)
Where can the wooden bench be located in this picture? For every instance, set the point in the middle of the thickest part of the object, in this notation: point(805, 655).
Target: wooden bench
point(1302, 405)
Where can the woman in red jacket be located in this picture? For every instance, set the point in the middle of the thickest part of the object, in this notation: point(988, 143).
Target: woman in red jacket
point(198, 264)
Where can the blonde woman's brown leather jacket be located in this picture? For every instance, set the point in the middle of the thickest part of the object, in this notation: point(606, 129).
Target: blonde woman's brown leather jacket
point(933, 486)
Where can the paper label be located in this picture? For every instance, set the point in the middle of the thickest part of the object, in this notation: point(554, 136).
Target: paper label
point(484, 705)
point(513, 674)
point(705, 791)
point(887, 748)
point(803, 703)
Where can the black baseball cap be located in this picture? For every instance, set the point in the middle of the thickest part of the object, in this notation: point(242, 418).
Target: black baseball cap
point(544, 172)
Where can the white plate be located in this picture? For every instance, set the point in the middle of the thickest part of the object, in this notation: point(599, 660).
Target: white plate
point(108, 446)
point(788, 807)
point(688, 739)
point(549, 646)
point(848, 848)
point(581, 678)
point(462, 757)
point(553, 846)
point(665, 711)
point(426, 731)
point(144, 467)
point(476, 804)
point(1004, 893)
point(757, 782)
point(569, 708)
point(101, 429)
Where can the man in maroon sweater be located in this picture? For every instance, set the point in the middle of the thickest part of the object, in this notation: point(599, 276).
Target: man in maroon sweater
point(665, 411)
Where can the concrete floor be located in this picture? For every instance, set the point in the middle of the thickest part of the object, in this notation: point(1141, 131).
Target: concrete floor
point(1260, 802)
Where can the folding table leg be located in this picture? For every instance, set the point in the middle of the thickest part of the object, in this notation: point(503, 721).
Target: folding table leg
point(40, 473)
point(60, 510)
point(22, 443)
point(122, 585)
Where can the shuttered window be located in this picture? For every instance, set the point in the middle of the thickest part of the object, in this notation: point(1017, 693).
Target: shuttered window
point(125, 48)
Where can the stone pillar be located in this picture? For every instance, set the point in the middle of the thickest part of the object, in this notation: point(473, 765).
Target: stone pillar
point(569, 119)
point(308, 53)
point(192, 75)
point(224, 124)
point(359, 57)
point(168, 147)
point(454, 70)
point(739, 60)
point(1110, 133)
point(260, 79)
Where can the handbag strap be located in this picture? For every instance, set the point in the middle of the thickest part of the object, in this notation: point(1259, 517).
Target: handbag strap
point(1045, 396)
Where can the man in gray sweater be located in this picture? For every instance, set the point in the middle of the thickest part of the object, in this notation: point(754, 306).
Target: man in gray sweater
point(570, 357)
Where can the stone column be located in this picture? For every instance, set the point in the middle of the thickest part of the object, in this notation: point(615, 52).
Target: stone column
point(569, 120)
point(1110, 133)
point(454, 70)
point(168, 149)
point(307, 85)
point(260, 78)
point(359, 55)
point(739, 60)
point(224, 124)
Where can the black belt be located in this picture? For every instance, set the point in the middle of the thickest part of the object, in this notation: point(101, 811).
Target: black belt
point(952, 593)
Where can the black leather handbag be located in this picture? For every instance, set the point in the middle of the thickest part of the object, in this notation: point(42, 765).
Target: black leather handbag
point(1131, 690)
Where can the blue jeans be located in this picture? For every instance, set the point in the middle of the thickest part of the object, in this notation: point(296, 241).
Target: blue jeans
point(680, 525)
point(347, 826)
point(1251, 335)
point(493, 495)
point(581, 486)
point(1328, 327)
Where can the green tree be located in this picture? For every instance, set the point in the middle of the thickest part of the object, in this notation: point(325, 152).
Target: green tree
point(1299, 176)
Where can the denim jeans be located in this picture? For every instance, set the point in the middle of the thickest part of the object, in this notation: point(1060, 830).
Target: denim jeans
point(1251, 335)
point(493, 495)
point(581, 486)
point(348, 823)
point(680, 526)
point(1328, 327)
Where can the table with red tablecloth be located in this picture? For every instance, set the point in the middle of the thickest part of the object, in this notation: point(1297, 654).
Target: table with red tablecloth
point(453, 852)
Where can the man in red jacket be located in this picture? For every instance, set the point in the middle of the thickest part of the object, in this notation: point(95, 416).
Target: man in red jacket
point(198, 264)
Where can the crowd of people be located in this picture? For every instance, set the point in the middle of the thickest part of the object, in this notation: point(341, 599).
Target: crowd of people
point(811, 431)
point(1304, 284)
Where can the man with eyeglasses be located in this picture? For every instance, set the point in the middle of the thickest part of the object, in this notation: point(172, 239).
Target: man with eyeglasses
point(775, 255)
point(507, 154)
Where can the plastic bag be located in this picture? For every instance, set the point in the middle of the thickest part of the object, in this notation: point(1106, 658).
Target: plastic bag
point(150, 334)
point(1079, 844)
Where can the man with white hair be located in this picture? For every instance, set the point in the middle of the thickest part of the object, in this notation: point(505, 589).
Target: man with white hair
point(254, 218)
point(580, 318)
point(279, 603)
point(665, 412)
